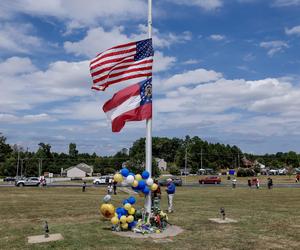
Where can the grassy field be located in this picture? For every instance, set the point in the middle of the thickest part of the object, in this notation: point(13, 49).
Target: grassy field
point(268, 219)
point(277, 179)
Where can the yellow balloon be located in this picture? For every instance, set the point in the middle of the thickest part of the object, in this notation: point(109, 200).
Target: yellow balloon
point(124, 226)
point(107, 210)
point(114, 220)
point(154, 186)
point(135, 183)
point(130, 219)
point(118, 178)
point(123, 219)
point(131, 210)
point(127, 206)
point(116, 215)
point(138, 177)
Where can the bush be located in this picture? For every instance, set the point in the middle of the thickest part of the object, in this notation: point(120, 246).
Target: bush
point(174, 170)
point(244, 172)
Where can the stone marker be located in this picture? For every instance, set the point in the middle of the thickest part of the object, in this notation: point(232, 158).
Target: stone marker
point(223, 221)
point(42, 238)
point(170, 231)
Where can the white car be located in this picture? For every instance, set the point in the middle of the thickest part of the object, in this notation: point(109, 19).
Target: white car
point(102, 180)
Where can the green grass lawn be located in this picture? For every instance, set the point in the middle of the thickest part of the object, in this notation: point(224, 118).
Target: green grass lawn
point(268, 219)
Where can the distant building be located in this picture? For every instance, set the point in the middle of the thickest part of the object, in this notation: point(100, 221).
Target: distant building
point(260, 165)
point(247, 163)
point(80, 170)
point(125, 151)
point(161, 164)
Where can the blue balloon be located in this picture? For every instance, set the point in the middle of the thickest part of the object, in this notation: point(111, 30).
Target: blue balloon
point(124, 172)
point(125, 201)
point(119, 216)
point(119, 210)
point(146, 190)
point(132, 224)
point(141, 185)
point(145, 174)
point(130, 173)
point(124, 211)
point(131, 200)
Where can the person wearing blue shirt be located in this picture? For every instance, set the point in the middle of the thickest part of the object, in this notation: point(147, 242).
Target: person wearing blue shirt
point(170, 191)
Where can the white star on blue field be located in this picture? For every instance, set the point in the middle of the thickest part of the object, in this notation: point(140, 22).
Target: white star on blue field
point(226, 71)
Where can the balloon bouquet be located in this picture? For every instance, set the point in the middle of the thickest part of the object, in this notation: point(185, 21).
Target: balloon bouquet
point(127, 217)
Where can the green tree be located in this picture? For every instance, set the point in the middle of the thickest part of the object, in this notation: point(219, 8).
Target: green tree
point(73, 152)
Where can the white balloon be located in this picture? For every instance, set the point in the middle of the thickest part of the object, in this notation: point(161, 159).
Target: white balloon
point(129, 179)
point(149, 181)
point(107, 198)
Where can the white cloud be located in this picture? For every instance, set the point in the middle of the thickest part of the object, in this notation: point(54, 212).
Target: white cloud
point(162, 62)
point(249, 57)
point(9, 118)
point(16, 38)
point(293, 31)
point(98, 39)
point(62, 80)
point(284, 3)
point(208, 5)
point(240, 106)
point(16, 65)
point(191, 77)
point(83, 110)
point(78, 12)
point(217, 37)
point(191, 61)
point(274, 47)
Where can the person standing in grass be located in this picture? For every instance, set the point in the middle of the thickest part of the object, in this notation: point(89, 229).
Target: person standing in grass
point(83, 186)
point(249, 183)
point(270, 183)
point(115, 187)
point(171, 192)
point(234, 183)
point(257, 183)
point(109, 188)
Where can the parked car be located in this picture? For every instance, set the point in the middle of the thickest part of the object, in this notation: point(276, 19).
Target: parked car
point(102, 180)
point(9, 179)
point(210, 180)
point(31, 181)
point(176, 180)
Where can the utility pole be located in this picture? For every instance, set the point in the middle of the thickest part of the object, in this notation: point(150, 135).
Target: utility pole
point(18, 163)
point(22, 167)
point(40, 166)
point(201, 158)
point(185, 164)
point(239, 160)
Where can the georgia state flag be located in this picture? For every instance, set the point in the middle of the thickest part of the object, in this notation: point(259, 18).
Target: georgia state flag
point(133, 103)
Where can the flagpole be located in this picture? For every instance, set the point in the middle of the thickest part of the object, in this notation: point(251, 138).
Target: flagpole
point(149, 123)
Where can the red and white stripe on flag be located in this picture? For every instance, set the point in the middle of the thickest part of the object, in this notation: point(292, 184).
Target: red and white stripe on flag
point(133, 103)
point(121, 63)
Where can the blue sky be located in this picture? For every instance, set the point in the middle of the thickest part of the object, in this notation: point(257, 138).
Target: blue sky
point(226, 71)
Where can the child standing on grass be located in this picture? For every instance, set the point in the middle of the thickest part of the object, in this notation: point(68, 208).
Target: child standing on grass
point(109, 188)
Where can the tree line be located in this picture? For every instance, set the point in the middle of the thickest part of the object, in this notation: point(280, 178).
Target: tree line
point(192, 152)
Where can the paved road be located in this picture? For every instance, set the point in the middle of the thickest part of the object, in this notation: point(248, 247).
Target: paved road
point(223, 185)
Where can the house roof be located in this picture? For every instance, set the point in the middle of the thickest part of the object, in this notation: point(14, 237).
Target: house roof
point(83, 167)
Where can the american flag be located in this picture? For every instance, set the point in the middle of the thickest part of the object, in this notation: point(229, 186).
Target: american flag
point(121, 63)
